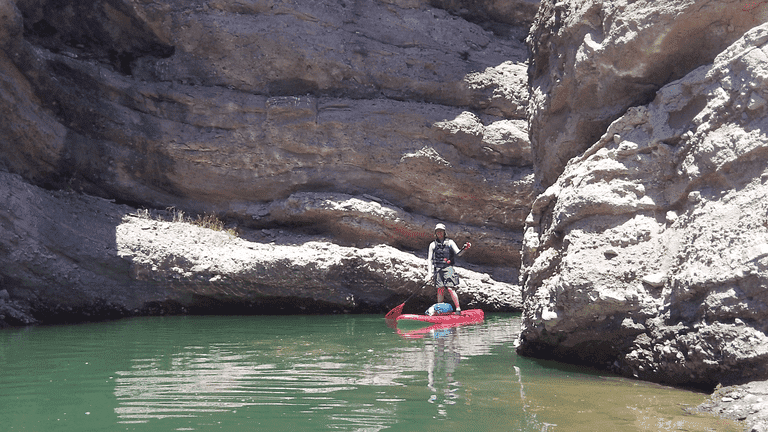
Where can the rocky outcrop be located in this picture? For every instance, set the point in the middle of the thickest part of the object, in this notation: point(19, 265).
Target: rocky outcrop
point(366, 221)
point(747, 403)
point(649, 254)
point(486, 13)
point(72, 257)
point(319, 275)
point(593, 60)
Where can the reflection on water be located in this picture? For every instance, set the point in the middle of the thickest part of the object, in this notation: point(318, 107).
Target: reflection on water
point(348, 373)
point(306, 373)
point(200, 380)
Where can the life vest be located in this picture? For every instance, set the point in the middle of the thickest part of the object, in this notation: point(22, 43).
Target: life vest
point(442, 255)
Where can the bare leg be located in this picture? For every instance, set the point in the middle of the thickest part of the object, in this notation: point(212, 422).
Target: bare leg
point(455, 298)
point(440, 294)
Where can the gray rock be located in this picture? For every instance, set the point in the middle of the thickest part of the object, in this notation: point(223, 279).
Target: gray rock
point(745, 402)
point(273, 115)
point(220, 108)
point(121, 262)
point(592, 60)
point(696, 280)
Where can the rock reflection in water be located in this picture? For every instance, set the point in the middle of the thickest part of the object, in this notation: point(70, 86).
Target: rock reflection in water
point(346, 381)
point(313, 374)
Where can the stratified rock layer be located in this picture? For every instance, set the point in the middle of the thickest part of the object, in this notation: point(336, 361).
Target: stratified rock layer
point(218, 106)
point(72, 257)
point(649, 255)
point(362, 122)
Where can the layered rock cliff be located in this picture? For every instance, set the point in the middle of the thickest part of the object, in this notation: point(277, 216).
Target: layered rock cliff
point(645, 250)
point(648, 254)
point(362, 123)
point(219, 106)
point(69, 257)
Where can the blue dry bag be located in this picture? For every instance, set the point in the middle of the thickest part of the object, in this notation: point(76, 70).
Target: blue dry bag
point(439, 308)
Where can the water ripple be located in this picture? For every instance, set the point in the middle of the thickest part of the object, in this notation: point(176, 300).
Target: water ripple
point(305, 376)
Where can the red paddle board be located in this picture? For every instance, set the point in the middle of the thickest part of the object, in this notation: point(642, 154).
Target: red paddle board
point(470, 316)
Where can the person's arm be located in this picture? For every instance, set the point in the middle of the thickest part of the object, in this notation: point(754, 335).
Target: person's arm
point(430, 264)
point(457, 251)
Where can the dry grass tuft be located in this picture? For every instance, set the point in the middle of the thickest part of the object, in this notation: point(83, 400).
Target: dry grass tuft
point(172, 214)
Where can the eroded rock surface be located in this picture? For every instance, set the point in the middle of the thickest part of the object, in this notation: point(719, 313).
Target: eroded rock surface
point(747, 403)
point(362, 122)
point(200, 105)
point(72, 257)
point(649, 255)
point(593, 60)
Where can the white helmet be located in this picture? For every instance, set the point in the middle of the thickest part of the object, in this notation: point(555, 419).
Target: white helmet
point(439, 227)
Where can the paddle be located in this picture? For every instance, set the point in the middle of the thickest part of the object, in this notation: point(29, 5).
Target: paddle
point(398, 310)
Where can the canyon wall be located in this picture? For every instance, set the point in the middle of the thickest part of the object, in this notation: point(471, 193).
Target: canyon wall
point(233, 108)
point(590, 61)
point(363, 123)
point(648, 254)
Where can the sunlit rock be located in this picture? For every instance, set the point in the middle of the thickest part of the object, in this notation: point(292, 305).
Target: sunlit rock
point(651, 247)
point(72, 257)
point(593, 60)
point(317, 118)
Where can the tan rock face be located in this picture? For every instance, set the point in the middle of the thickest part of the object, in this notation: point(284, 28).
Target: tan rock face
point(361, 124)
point(219, 106)
point(593, 60)
point(648, 255)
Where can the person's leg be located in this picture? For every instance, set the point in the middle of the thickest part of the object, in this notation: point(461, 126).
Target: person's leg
point(455, 299)
point(440, 294)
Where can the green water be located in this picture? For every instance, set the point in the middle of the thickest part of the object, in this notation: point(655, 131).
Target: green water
point(312, 373)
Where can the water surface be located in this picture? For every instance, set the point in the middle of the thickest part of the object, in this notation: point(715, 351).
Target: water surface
point(313, 373)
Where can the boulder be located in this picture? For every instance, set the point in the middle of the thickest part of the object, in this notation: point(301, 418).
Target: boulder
point(747, 403)
point(649, 255)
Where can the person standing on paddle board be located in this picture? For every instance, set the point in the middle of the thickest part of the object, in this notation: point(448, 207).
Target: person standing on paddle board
point(442, 252)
